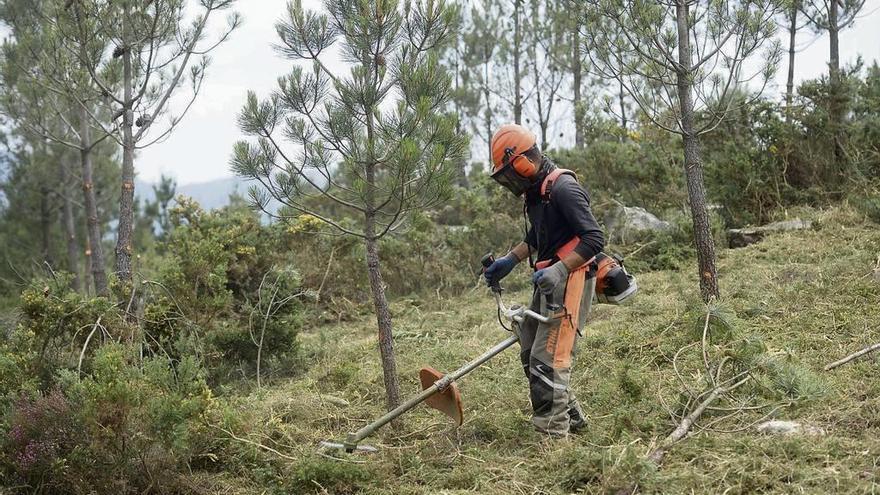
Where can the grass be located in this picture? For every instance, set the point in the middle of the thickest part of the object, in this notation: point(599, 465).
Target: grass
point(799, 299)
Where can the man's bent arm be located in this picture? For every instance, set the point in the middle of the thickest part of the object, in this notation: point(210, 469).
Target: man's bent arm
point(521, 251)
point(571, 261)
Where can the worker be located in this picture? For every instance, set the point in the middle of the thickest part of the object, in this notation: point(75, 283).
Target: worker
point(564, 236)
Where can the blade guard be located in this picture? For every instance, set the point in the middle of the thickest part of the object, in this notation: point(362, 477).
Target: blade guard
point(448, 401)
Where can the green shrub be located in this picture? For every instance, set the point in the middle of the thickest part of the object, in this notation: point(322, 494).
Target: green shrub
point(867, 202)
point(126, 427)
point(641, 170)
point(222, 271)
point(56, 323)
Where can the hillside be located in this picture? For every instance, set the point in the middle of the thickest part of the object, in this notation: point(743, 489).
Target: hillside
point(806, 297)
point(211, 194)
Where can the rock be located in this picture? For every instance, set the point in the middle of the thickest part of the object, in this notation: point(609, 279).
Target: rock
point(336, 401)
point(780, 427)
point(737, 238)
point(629, 222)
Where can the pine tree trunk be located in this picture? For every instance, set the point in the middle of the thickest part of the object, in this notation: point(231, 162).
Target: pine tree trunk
point(377, 286)
point(383, 319)
point(487, 113)
point(517, 75)
point(789, 84)
point(95, 250)
point(126, 197)
point(837, 97)
point(89, 281)
point(543, 124)
point(68, 225)
point(693, 164)
point(621, 96)
point(45, 226)
point(462, 178)
point(577, 76)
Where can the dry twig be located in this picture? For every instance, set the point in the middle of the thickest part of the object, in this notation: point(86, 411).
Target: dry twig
point(855, 355)
point(687, 423)
point(82, 354)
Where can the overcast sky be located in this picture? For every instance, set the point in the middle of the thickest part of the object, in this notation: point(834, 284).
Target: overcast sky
point(199, 149)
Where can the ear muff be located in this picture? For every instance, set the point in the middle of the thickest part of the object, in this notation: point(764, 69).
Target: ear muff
point(508, 145)
point(521, 163)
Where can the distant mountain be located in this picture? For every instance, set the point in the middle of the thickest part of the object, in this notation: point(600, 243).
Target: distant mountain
point(214, 194)
point(210, 195)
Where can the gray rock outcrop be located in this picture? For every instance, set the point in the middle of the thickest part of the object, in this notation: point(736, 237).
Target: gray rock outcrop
point(629, 223)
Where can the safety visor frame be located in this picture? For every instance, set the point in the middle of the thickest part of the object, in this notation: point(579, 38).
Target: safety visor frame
point(508, 177)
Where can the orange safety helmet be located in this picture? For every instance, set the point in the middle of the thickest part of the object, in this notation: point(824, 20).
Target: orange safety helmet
point(511, 167)
point(508, 145)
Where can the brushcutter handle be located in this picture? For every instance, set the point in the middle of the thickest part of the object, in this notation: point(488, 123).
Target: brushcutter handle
point(519, 313)
point(487, 261)
point(516, 312)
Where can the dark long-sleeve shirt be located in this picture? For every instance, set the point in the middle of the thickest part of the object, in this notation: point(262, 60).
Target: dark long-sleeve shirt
point(567, 215)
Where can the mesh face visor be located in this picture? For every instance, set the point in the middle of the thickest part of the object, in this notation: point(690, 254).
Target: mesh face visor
point(507, 177)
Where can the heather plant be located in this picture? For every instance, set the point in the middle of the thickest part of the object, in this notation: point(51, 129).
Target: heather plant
point(126, 426)
point(40, 430)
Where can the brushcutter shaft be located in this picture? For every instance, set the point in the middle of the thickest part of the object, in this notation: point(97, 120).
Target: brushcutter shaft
point(353, 439)
point(516, 313)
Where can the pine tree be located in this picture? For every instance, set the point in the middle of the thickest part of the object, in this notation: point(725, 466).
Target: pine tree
point(155, 52)
point(49, 94)
point(833, 16)
point(372, 141)
point(481, 42)
point(546, 47)
point(682, 63)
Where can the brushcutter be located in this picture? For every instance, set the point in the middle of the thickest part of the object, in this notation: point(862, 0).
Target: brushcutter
point(440, 391)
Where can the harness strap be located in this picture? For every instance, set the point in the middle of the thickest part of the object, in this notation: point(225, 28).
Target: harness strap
point(563, 341)
point(547, 184)
point(574, 292)
point(562, 252)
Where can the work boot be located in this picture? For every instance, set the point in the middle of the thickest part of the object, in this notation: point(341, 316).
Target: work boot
point(576, 417)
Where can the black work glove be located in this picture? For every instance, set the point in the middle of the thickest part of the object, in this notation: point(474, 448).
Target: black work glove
point(500, 268)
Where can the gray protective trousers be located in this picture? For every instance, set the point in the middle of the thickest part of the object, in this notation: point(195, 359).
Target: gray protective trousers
point(547, 352)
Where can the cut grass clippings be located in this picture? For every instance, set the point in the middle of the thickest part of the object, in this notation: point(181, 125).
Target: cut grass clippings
point(795, 302)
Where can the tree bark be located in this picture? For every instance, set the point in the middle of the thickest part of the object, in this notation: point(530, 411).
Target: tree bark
point(692, 161)
point(69, 226)
point(517, 85)
point(487, 113)
point(95, 250)
point(622, 100)
point(462, 178)
point(383, 319)
point(577, 76)
point(789, 84)
point(539, 100)
point(834, 46)
point(45, 225)
point(126, 197)
point(836, 110)
point(88, 281)
point(377, 286)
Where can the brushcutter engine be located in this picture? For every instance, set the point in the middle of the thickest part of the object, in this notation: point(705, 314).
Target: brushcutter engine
point(614, 285)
